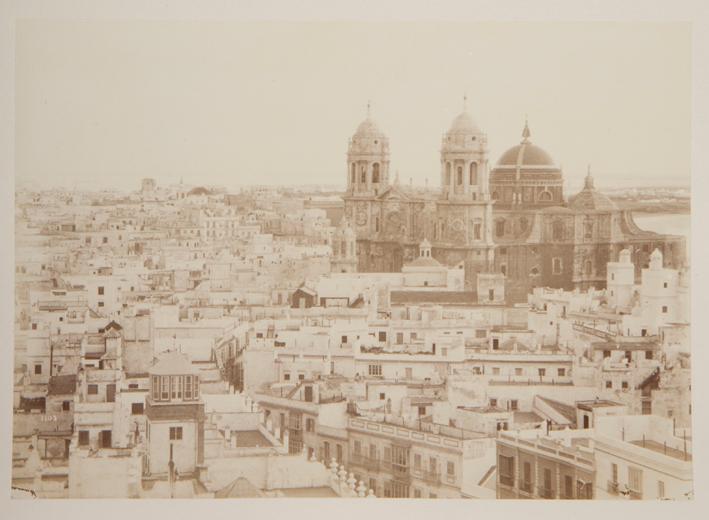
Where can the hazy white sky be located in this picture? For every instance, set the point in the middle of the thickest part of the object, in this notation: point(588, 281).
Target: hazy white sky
point(103, 104)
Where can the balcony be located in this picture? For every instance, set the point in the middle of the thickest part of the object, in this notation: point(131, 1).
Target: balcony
point(365, 462)
point(401, 473)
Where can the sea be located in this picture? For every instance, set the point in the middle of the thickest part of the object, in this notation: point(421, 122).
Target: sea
point(671, 223)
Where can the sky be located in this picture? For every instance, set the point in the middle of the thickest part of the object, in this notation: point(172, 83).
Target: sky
point(102, 104)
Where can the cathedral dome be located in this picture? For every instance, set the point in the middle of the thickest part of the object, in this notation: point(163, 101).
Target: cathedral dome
point(526, 154)
point(591, 199)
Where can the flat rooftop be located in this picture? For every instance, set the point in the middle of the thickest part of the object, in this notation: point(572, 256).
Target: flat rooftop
point(312, 492)
point(251, 439)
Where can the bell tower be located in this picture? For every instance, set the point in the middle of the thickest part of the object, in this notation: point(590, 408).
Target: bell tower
point(464, 159)
point(367, 160)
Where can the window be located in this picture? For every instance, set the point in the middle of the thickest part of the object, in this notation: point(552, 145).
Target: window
point(459, 176)
point(343, 339)
point(477, 231)
point(664, 309)
point(609, 384)
point(647, 407)
point(175, 433)
point(495, 371)
point(473, 173)
point(500, 227)
point(648, 354)
point(493, 402)
point(635, 482)
point(357, 448)
point(660, 489)
point(34, 326)
point(399, 338)
point(100, 290)
point(309, 425)
point(286, 376)
point(375, 172)
point(664, 285)
point(422, 410)
point(92, 389)
point(542, 372)
point(561, 372)
point(382, 396)
point(503, 269)
point(83, 437)
point(518, 371)
point(375, 370)
point(624, 385)
point(480, 333)
point(100, 304)
point(491, 297)
point(417, 461)
point(66, 405)
point(450, 468)
point(188, 387)
point(506, 470)
point(164, 388)
point(514, 405)
point(417, 493)
point(38, 369)
point(105, 438)
point(136, 408)
point(556, 266)
point(382, 336)
point(301, 377)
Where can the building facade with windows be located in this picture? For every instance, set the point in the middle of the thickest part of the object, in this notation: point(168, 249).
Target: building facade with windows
point(511, 219)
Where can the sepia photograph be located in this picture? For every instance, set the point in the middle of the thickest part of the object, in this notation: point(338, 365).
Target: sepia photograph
point(343, 258)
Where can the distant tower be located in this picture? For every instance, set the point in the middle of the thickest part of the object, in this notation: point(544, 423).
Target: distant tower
point(344, 249)
point(147, 185)
point(367, 159)
point(464, 159)
point(620, 280)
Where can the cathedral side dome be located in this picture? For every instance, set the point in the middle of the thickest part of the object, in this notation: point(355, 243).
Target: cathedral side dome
point(589, 198)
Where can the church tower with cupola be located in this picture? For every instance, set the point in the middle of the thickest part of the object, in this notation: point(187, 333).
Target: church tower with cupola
point(367, 159)
point(464, 160)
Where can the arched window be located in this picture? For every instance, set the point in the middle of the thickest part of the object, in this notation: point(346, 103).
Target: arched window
point(473, 173)
point(495, 195)
point(588, 267)
point(557, 229)
point(375, 172)
point(545, 196)
point(354, 173)
point(363, 174)
point(376, 224)
point(459, 176)
point(448, 173)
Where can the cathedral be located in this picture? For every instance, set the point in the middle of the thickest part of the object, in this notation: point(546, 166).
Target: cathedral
point(510, 218)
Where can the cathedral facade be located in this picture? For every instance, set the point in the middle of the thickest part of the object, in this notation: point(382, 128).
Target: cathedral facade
point(511, 218)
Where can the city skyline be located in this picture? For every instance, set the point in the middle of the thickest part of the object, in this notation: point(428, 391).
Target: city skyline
point(128, 106)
